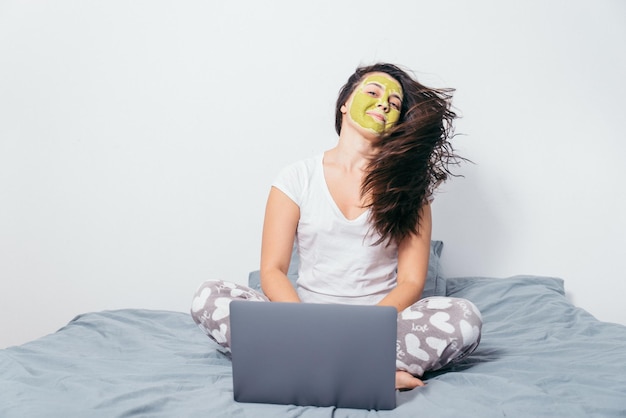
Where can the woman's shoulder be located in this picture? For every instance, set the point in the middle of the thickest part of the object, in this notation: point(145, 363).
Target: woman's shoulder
point(304, 166)
point(311, 161)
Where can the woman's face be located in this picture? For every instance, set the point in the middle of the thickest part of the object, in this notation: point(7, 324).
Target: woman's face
point(376, 102)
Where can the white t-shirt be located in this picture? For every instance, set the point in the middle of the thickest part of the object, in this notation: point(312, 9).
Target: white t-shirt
point(338, 263)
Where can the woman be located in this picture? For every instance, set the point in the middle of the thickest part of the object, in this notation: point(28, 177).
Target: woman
point(360, 216)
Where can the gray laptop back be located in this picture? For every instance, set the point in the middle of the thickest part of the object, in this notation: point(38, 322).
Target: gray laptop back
point(314, 354)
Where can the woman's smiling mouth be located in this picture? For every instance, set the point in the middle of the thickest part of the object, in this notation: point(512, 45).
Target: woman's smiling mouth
point(377, 117)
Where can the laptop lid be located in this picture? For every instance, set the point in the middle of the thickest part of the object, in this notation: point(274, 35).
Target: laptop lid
point(314, 354)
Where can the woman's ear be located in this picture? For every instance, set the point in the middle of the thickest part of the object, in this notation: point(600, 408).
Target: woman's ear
point(343, 109)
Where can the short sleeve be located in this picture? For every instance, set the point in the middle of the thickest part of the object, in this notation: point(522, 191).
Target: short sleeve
point(292, 180)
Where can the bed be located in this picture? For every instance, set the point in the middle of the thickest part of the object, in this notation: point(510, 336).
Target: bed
point(540, 356)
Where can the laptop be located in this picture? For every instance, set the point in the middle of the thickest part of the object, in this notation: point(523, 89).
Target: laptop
point(310, 354)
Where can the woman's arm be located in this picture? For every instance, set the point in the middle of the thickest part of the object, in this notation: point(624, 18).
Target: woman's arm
point(413, 253)
point(279, 229)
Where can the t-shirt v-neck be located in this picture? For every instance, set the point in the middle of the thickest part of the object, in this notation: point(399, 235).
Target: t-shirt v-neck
point(332, 200)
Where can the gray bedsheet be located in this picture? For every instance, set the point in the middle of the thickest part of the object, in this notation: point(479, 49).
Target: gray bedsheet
point(539, 357)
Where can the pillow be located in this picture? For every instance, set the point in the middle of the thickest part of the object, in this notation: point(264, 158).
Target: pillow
point(435, 284)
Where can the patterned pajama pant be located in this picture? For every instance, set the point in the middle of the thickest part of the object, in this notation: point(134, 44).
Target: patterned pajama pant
point(432, 333)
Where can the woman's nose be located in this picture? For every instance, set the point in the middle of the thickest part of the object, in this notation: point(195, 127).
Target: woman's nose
point(384, 105)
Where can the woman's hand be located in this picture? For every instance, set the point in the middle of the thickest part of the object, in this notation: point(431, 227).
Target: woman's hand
point(406, 381)
point(413, 254)
point(279, 230)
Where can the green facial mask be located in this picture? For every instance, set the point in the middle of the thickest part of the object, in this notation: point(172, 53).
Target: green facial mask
point(376, 103)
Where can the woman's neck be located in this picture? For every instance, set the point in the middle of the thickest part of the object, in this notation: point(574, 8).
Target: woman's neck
point(353, 152)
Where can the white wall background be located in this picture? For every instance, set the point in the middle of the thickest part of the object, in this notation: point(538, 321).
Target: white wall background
point(138, 140)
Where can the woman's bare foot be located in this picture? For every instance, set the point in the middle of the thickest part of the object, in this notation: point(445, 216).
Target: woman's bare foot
point(406, 381)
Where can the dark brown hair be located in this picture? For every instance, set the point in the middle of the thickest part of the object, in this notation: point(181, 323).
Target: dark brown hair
point(412, 158)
